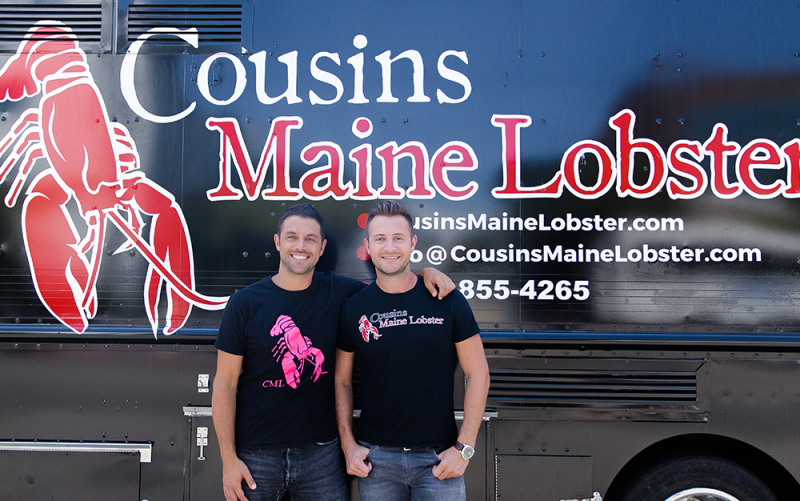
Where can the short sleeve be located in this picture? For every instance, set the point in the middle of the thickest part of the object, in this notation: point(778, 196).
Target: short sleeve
point(231, 337)
point(464, 324)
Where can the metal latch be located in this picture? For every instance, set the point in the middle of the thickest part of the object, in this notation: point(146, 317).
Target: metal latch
point(202, 383)
point(595, 497)
point(202, 440)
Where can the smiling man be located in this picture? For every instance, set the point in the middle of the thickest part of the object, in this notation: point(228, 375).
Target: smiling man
point(407, 346)
point(273, 400)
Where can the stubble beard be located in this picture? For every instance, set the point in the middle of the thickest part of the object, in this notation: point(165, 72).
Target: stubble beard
point(393, 274)
point(296, 268)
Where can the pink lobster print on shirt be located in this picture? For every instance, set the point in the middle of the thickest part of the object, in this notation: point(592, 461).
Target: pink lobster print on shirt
point(94, 163)
point(293, 350)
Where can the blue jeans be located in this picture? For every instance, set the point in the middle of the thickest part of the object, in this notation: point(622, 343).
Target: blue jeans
point(309, 473)
point(399, 475)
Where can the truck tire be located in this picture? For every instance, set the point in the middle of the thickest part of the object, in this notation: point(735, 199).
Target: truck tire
point(698, 478)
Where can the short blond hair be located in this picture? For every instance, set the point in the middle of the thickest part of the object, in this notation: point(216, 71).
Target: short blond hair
point(389, 208)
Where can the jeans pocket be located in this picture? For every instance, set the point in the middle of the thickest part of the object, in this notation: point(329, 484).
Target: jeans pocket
point(368, 446)
point(329, 442)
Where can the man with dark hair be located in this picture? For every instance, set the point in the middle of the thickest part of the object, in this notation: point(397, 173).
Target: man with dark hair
point(307, 211)
point(273, 401)
point(409, 446)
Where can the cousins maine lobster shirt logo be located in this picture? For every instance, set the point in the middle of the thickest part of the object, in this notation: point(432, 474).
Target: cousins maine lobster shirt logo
point(392, 318)
point(367, 329)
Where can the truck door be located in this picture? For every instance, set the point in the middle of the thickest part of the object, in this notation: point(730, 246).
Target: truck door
point(203, 462)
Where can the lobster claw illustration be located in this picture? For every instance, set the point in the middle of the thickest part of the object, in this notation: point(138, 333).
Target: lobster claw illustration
point(366, 329)
point(94, 163)
point(294, 350)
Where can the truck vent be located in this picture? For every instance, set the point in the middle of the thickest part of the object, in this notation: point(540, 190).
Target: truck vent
point(612, 389)
point(84, 19)
point(215, 23)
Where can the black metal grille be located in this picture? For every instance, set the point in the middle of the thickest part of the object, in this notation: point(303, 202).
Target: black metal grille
point(571, 388)
point(215, 23)
point(85, 20)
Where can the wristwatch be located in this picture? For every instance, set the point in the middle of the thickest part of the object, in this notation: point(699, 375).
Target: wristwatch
point(467, 451)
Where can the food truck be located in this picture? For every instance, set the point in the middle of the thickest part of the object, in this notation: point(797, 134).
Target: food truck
point(610, 184)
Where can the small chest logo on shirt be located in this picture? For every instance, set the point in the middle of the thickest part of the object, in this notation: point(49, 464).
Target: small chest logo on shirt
point(293, 350)
point(394, 318)
point(366, 329)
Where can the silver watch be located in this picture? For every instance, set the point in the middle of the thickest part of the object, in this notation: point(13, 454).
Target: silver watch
point(467, 451)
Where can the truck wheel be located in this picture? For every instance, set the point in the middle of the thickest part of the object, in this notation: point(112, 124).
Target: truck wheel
point(699, 478)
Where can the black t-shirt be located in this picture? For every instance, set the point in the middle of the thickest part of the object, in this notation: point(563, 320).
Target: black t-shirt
point(405, 351)
point(288, 340)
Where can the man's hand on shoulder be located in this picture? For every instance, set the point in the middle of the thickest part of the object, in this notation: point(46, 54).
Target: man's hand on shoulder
point(451, 465)
point(436, 282)
point(356, 461)
point(232, 475)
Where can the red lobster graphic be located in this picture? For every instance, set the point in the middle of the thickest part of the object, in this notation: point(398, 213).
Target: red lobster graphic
point(293, 349)
point(93, 162)
point(366, 328)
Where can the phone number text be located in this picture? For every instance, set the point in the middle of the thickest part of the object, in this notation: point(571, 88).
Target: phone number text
point(541, 290)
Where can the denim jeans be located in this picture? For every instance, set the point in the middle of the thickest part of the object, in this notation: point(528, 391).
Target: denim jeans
point(310, 473)
point(399, 475)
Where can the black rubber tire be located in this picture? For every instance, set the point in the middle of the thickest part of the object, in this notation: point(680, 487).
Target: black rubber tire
point(711, 472)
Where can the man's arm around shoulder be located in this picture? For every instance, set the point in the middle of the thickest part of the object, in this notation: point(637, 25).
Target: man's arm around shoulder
point(437, 283)
point(223, 405)
point(476, 373)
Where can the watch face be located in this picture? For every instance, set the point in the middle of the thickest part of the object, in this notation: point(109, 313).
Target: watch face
point(467, 452)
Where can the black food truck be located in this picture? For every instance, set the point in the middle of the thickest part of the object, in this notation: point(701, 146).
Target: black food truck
point(611, 184)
